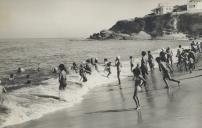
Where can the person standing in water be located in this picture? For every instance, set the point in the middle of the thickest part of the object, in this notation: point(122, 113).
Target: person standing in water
point(138, 83)
point(150, 61)
point(62, 77)
point(131, 63)
point(144, 68)
point(118, 68)
point(169, 54)
point(96, 64)
point(164, 68)
point(82, 73)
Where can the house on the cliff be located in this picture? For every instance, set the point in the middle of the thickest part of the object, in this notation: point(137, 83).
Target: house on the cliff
point(163, 8)
point(194, 6)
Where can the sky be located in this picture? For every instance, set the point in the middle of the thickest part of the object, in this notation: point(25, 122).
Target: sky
point(68, 18)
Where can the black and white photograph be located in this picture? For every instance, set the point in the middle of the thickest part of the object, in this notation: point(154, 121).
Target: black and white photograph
point(100, 63)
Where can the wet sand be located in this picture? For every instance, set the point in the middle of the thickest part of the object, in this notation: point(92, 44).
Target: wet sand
point(109, 107)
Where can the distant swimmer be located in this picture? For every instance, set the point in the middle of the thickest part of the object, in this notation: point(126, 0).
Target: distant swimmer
point(28, 79)
point(144, 67)
point(139, 80)
point(11, 77)
point(20, 70)
point(131, 63)
point(62, 77)
point(118, 68)
point(164, 68)
point(150, 61)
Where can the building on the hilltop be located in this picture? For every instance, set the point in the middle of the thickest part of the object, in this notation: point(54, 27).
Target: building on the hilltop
point(194, 5)
point(180, 8)
point(163, 8)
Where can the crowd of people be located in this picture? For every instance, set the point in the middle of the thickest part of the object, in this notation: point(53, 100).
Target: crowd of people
point(186, 59)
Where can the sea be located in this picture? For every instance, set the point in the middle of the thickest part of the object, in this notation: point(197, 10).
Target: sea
point(32, 102)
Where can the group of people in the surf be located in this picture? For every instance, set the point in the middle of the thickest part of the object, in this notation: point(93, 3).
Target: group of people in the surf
point(186, 61)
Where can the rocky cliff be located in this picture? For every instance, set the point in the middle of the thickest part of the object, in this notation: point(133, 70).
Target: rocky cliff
point(154, 27)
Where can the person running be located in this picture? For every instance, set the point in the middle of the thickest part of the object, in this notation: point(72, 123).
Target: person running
point(150, 61)
point(143, 67)
point(118, 68)
point(164, 68)
point(108, 68)
point(179, 56)
point(138, 80)
point(62, 77)
point(131, 63)
point(105, 64)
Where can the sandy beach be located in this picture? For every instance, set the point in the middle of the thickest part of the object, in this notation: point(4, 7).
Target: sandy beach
point(109, 107)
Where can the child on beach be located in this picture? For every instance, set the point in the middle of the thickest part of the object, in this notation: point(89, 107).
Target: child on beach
point(164, 68)
point(118, 68)
point(150, 61)
point(138, 80)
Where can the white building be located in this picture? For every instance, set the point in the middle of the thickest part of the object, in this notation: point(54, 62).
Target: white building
point(194, 5)
point(163, 8)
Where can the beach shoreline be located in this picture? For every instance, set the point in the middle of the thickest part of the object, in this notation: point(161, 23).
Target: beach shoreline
point(77, 99)
point(75, 112)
